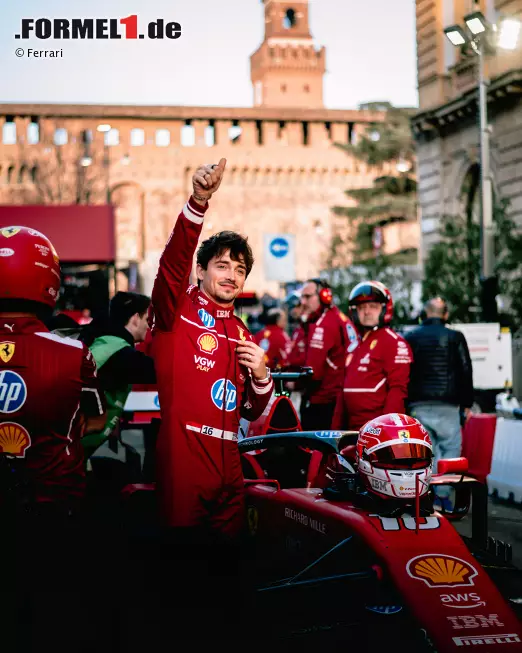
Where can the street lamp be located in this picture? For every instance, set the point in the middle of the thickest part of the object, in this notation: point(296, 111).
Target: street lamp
point(105, 129)
point(476, 33)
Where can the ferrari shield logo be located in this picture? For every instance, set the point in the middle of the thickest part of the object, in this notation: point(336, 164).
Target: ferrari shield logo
point(373, 345)
point(241, 333)
point(10, 231)
point(7, 350)
point(252, 519)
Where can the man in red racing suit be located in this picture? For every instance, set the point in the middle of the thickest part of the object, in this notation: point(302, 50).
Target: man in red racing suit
point(209, 371)
point(378, 366)
point(320, 343)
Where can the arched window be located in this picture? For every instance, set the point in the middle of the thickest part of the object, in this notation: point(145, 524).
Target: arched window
point(289, 19)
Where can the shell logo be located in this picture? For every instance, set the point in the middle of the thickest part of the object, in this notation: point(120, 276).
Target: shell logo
point(208, 343)
point(440, 570)
point(14, 440)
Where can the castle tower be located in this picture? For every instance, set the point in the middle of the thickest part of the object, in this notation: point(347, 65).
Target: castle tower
point(286, 69)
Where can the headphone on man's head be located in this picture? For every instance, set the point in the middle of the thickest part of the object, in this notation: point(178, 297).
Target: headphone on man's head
point(324, 291)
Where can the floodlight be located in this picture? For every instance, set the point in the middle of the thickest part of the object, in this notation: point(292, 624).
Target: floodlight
point(476, 22)
point(456, 35)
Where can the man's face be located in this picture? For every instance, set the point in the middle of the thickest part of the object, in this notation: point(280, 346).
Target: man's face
point(369, 313)
point(223, 280)
point(309, 299)
point(138, 326)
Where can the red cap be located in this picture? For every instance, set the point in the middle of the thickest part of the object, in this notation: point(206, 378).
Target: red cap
point(29, 266)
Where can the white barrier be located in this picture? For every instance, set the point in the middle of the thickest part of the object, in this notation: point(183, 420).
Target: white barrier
point(142, 401)
point(506, 465)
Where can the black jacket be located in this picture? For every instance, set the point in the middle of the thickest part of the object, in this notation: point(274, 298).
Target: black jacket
point(125, 366)
point(441, 369)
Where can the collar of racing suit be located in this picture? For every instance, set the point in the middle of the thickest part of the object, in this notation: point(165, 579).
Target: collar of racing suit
point(25, 324)
point(215, 309)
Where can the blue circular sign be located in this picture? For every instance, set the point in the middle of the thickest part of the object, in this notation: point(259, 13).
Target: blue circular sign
point(156, 401)
point(13, 392)
point(224, 397)
point(279, 247)
point(206, 318)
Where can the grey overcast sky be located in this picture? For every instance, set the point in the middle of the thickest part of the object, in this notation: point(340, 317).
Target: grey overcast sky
point(370, 53)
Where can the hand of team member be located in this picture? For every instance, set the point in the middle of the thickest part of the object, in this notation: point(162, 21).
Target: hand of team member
point(252, 356)
point(206, 180)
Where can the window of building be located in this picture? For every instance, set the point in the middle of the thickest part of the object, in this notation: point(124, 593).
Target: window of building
point(290, 19)
point(9, 133)
point(87, 136)
point(234, 133)
point(162, 137)
point(60, 136)
point(112, 137)
point(210, 136)
point(137, 137)
point(188, 136)
point(33, 133)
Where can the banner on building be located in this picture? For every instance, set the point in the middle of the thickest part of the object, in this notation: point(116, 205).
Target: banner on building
point(279, 257)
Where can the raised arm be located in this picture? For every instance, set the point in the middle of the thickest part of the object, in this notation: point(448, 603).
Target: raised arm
point(176, 261)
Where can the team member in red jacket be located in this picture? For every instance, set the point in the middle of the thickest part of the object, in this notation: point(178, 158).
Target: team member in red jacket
point(209, 371)
point(377, 366)
point(320, 343)
point(273, 339)
point(49, 396)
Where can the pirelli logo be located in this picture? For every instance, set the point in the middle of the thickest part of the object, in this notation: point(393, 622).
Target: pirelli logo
point(477, 640)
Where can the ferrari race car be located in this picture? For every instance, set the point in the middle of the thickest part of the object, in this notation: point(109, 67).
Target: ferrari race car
point(332, 563)
point(338, 560)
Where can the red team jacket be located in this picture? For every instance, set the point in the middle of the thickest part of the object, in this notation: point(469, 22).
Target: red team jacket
point(275, 342)
point(46, 383)
point(203, 391)
point(321, 345)
point(376, 379)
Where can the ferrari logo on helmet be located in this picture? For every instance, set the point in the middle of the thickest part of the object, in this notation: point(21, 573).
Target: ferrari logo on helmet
point(7, 350)
point(404, 434)
point(10, 231)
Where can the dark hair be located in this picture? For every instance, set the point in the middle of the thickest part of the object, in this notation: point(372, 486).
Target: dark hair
point(272, 316)
point(126, 304)
point(223, 241)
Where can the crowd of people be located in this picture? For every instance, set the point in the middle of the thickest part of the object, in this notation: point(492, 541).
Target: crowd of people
point(62, 393)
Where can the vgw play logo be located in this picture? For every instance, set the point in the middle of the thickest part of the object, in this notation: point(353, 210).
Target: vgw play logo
point(97, 28)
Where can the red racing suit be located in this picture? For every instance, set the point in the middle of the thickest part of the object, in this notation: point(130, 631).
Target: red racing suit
point(47, 385)
point(275, 342)
point(203, 392)
point(321, 343)
point(376, 379)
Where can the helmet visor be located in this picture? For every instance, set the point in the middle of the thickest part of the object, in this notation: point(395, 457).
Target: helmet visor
point(367, 293)
point(408, 455)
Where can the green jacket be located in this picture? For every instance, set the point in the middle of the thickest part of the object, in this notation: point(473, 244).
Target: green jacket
point(102, 349)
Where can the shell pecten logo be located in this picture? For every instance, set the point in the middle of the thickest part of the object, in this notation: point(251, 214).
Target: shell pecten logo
point(14, 440)
point(208, 343)
point(440, 570)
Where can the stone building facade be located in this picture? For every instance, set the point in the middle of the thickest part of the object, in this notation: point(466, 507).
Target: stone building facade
point(284, 172)
point(447, 125)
